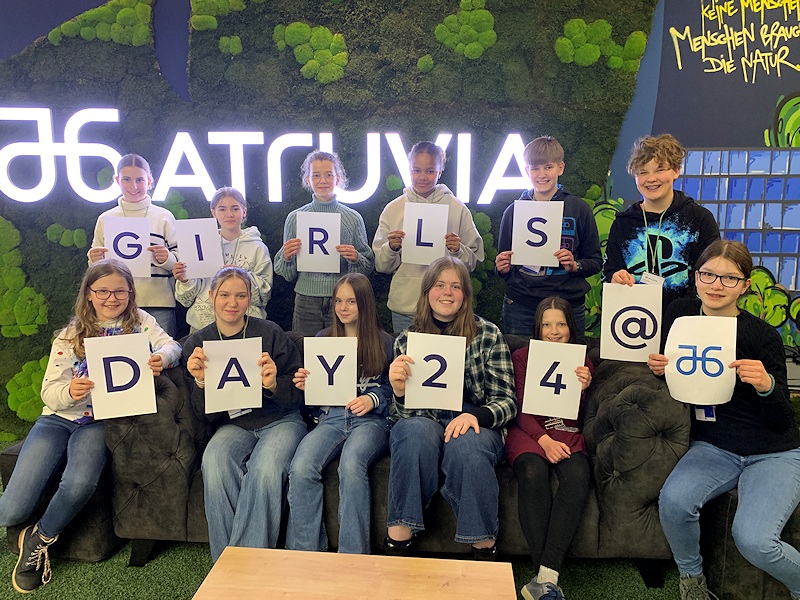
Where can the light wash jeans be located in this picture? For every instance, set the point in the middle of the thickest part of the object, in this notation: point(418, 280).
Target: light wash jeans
point(518, 319)
point(52, 443)
point(311, 314)
point(244, 479)
point(360, 441)
point(164, 317)
point(470, 485)
point(769, 491)
point(401, 321)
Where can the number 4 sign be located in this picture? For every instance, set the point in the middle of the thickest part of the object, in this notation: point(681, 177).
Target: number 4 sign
point(552, 389)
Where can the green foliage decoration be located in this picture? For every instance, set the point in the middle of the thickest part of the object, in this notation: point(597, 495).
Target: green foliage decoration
point(766, 299)
point(584, 43)
point(174, 204)
point(203, 22)
point(58, 234)
point(25, 390)
point(22, 309)
point(483, 277)
point(321, 53)
point(469, 32)
point(230, 45)
point(425, 63)
point(127, 23)
point(394, 183)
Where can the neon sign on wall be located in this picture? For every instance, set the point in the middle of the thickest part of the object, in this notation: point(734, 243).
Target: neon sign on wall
point(184, 147)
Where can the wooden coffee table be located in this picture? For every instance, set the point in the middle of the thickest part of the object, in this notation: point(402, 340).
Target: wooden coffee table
point(243, 573)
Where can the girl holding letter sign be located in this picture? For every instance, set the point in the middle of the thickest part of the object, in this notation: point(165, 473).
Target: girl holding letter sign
point(155, 293)
point(468, 444)
point(246, 463)
point(358, 432)
point(322, 173)
point(751, 442)
point(240, 247)
point(537, 445)
point(66, 437)
point(426, 163)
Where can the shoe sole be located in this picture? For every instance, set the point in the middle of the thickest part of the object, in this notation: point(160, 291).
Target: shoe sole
point(20, 541)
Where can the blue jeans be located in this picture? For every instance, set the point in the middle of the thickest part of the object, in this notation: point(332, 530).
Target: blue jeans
point(769, 491)
point(518, 319)
point(244, 478)
point(401, 321)
point(470, 485)
point(360, 441)
point(311, 314)
point(53, 444)
point(164, 317)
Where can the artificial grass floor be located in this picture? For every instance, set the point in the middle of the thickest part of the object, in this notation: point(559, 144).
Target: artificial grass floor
point(179, 569)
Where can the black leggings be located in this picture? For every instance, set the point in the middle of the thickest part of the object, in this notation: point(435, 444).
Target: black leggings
point(549, 523)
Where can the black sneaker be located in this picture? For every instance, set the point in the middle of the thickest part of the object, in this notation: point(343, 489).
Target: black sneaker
point(488, 554)
point(396, 548)
point(33, 565)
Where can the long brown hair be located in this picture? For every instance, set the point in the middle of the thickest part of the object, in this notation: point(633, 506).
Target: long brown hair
point(85, 320)
point(555, 303)
point(371, 354)
point(464, 323)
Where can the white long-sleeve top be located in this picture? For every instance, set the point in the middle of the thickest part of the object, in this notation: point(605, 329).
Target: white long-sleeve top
point(63, 366)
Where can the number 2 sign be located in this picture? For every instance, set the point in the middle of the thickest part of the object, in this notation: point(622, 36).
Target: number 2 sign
point(551, 387)
point(437, 375)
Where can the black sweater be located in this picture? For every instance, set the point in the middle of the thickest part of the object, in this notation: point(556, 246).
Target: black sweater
point(274, 405)
point(748, 424)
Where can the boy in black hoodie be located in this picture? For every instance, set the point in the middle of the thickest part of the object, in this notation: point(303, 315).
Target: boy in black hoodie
point(579, 256)
point(661, 236)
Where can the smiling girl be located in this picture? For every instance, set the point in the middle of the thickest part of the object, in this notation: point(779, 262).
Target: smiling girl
point(240, 247)
point(155, 293)
point(466, 444)
point(752, 443)
point(322, 174)
point(66, 441)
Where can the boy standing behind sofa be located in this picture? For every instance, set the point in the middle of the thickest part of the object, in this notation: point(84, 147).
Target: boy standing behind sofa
point(662, 236)
point(579, 255)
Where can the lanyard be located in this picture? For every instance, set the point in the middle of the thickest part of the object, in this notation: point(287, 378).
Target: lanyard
point(244, 331)
point(653, 251)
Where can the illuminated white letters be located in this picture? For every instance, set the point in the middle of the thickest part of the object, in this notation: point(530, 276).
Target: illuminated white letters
point(236, 140)
point(512, 148)
point(182, 146)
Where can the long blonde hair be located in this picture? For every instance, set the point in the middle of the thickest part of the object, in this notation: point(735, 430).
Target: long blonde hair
point(464, 323)
point(85, 320)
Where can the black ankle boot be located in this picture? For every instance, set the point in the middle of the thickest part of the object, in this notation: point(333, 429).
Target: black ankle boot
point(395, 548)
point(489, 554)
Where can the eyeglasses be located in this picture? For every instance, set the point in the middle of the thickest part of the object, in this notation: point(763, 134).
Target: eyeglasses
point(728, 281)
point(106, 294)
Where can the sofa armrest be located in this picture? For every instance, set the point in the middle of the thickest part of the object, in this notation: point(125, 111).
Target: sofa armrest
point(153, 459)
point(635, 433)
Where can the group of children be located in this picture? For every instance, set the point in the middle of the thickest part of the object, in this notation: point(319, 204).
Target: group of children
point(258, 457)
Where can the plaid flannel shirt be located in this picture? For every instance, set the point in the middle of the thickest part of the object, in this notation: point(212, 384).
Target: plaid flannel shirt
point(488, 376)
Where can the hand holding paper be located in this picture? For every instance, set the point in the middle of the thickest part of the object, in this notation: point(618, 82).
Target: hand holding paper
point(753, 372)
point(299, 379)
point(269, 372)
point(156, 364)
point(79, 387)
point(196, 365)
point(399, 371)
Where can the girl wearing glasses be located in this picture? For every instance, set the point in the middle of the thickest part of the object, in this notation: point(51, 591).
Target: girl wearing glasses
point(750, 442)
point(66, 441)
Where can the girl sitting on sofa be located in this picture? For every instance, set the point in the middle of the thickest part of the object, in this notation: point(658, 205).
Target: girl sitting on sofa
point(246, 464)
point(66, 441)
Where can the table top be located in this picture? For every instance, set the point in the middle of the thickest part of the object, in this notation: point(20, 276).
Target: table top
point(266, 573)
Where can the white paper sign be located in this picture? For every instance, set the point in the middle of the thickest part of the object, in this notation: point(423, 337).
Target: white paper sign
point(631, 322)
point(437, 375)
point(319, 235)
point(233, 377)
point(332, 363)
point(537, 233)
point(699, 350)
point(128, 240)
point(123, 381)
point(199, 246)
point(425, 226)
point(552, 389)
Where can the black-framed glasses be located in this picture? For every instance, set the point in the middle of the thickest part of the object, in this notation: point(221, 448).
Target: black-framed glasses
point(106, 294)
point(728, 281)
